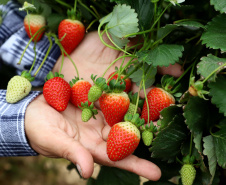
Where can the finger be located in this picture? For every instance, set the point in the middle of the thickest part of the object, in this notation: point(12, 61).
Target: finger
point(131, 163)
point(105, 132)
point(70, 149)
point(173, 70)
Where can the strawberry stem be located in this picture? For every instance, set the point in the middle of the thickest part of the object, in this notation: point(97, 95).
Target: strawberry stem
point(46, 55)
point(57, 41)
point(75, 6)
point(64, 4)
point(34, 57)
point(29, 44)
point(115, 62)
point(93, 13)
point(62, 63)
point(138, 96)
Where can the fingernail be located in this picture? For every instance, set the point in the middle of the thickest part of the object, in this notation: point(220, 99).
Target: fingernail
point(79, 170)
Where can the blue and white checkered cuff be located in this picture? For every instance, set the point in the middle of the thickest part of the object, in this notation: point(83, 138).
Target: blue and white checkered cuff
point(13, 141)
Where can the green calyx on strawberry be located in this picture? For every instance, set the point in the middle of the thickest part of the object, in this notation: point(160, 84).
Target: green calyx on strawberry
point(196, 89)
point(88, 111)
point(124, 138)
point(19, 87)
point(57, 91)
point(188, 171)
point(79, 91)
point(127, 81)
point(97, 89)
point(133, 101)
point(148, 131)
point(114, 103)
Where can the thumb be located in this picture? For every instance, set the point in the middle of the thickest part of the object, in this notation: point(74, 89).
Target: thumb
point(70, 149)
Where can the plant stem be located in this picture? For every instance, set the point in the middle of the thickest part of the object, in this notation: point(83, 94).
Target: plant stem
point(34, 57)
point(124, 51)
point(114, 62)
point(29, 43)
point(147, 31)
point(138, 95)
point(64, 4)
point(47, 53)
point(80, 2)
point(75, 5)
point(214, 71)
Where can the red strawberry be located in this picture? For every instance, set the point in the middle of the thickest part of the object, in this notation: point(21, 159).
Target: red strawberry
point(79, 91)
point(71, 32)
point(115, 103)
point(127, 81)
point(124, 137)
point(158, 99)
point(57, 91)
point(36, 22)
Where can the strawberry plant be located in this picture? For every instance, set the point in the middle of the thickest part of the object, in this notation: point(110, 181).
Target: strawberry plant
point(185, 110)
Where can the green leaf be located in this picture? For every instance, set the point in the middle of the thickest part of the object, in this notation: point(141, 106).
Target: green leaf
point(167, 143)
point(168, 114)
point(219, 5)
point(219, 139)
point(208, 65)
point(163, 55)
point(137, 76)
point(198, 141)
point(144, 9)
point(209, 151)
point(218, 92)
point(190, 23)
point(123, 21)
point(200, 115)
point(113, 176)
point(215, 35)
point(164, 31)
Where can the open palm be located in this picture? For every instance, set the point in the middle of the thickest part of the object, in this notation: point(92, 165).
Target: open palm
point(55, 134)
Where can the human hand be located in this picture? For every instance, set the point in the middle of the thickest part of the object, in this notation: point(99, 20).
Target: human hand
point(64, 135)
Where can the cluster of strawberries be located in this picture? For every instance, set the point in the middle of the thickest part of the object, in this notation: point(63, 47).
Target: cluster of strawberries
point(120, 112)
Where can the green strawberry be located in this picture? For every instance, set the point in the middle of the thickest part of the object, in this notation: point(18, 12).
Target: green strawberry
point(133, 101)
point(88, 111)
point(188, 174)
point(19, 87)
point(97, 89)
point(147, 137)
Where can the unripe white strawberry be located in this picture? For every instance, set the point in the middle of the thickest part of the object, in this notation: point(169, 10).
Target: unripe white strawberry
point(188, 174)
point(18, 87)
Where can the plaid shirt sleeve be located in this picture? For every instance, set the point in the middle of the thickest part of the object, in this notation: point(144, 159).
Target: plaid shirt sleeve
point(13, 141)
point(13, 40)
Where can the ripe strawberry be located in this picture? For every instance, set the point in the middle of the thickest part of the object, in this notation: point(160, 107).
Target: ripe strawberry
point(97, 89)
point(158, 99)
point(18, 87)
point(79, 91)
point(127, 81)
point(57, 91)
point(114, 104)
point(71, 32)
point(124, 137)
point(32, 23)
point(188, 174)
